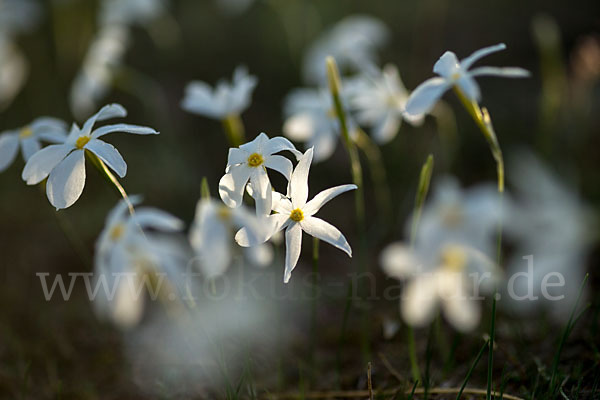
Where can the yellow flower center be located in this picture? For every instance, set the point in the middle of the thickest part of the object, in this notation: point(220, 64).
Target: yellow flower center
point(224, 213)
point(82, 141)
point(255, 160)
point(117, 232)
point(297, 215)
point(453, 259)
point(452, 216)
point(455, 76)
point(25, 132)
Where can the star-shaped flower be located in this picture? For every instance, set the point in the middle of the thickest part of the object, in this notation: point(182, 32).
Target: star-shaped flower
point(211, 234)
point(295, 214)
point(457, 73)
point(378, 99)
point(64, 164)
point(224, 100)
point(28, 138)
point(125, 256)
point(249, 162)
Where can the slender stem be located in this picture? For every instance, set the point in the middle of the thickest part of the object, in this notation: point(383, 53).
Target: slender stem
point(473, 365)
point(378, 173)
point(359, 197)
point(234, 130)
point(112, 179)
point(491, 348)
point(484, 122)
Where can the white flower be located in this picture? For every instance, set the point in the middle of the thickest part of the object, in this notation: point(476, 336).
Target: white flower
point(125, 257)
point(451, 249)
point(211, 234)
point(64, 164)
point(127, 12)
point(311, 118)
point(103, 58)
point(378, 99)
point(352, 42)
point(457, 73)
point(551, 223)
point(249, 162)
point(13, 71)
point(295, 214)
point(224, 100)
point(28, 138)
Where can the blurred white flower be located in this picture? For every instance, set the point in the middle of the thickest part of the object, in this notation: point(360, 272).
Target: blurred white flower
point(29, 139)
point(249, 162)
point(13, 71)
point(64, 164)
point(211, 235)
point(224, 100)
point(94, 79)
point(353, 42)
point(378, 99)
point(311, 118)
point(295, 214)
point(127, 12)
point(127, 259)
point(456, 73)
point(450, 255)
point(551, 223)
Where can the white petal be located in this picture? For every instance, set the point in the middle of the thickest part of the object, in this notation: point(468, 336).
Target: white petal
point(279, 143)
point(263, 193)
point(108, 111)
point(236, 156)
point(326, 232)
point(30, 146)
point(424, 97)
point(126, 128)
point(506, 72)
point(260, 256)
point(41, 163)
point(280, 164)
point(398, 261)
point(299, 181)
point(211, 241)
point(245, 237)
point(463, 313)
point(446, 65)
point(256, 145)
point(67, 180)
point(419, 301)
point(107, 153)
point(154, 218)
point(293, 245)
point(387, 128)
point(232, 185)
point(9, 147)
point(300, 127)
point(324, 144)
point(473, 58)
point(469, 87)
point(313, 206)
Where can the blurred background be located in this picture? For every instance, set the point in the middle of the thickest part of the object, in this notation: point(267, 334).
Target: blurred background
point(59, 349)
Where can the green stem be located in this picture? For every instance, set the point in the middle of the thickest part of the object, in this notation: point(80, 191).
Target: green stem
point(475, 362)
point(491, 349)
point(484, 122)
point(111, 178)
point(234, 130)
point(378, 173)
point(359, 197)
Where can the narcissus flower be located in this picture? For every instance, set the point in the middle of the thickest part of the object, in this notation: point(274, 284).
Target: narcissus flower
point(29, 139)
point(295, 214)
point(249, 162)
point(353, 43)
point(127, 258)
point(450, 256)
point(378, 99)
point(64, 164)
point(224, 100)
point(211, 234)
point(311, 118)
point(457, 73)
